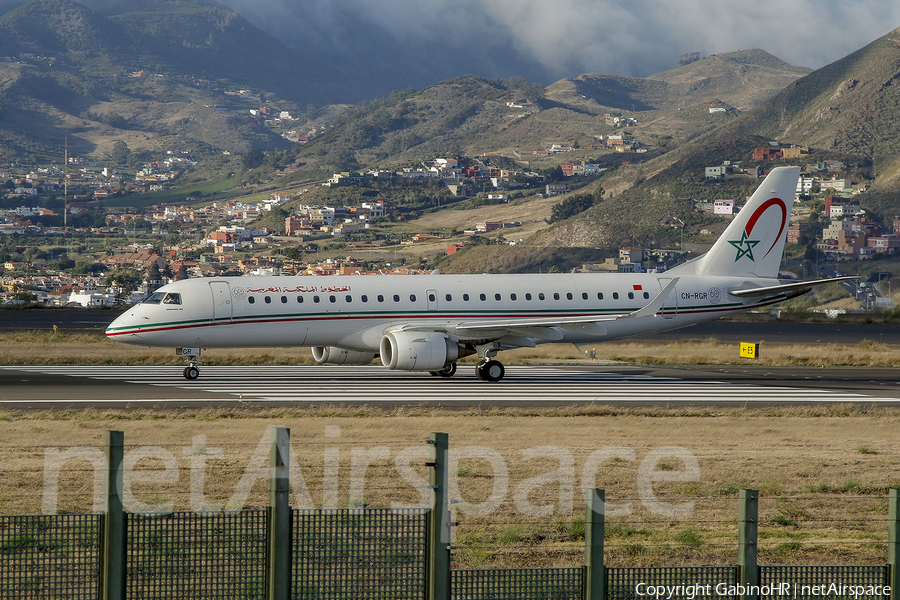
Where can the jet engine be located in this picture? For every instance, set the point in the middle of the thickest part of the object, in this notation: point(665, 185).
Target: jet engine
point(419, 351)
point(332, 355)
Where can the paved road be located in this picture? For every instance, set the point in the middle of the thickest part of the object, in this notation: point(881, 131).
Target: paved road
point(136, 387)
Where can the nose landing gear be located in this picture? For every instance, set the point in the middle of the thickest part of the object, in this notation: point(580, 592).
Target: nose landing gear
point(192, 371)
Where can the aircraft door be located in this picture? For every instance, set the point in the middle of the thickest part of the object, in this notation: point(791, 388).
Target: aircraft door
point(431, 298)
point(222, 308)
point(670, 306)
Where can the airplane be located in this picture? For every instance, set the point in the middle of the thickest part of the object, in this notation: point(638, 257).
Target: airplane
point(429, 322)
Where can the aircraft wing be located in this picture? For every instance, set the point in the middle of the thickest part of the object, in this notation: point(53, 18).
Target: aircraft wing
point(798, 288)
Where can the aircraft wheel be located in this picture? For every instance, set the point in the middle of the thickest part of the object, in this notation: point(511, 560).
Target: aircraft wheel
point(191, 373)
point(449, 370)
point(490, 370)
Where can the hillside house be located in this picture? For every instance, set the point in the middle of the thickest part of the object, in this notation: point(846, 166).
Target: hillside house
point(718, 172)
point(766, 154)
point(795, 231)
point(554, 189)
point(723, 207)
point(884, 243)
point(794, 152)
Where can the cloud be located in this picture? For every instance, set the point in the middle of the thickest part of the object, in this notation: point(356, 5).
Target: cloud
point(564, 38)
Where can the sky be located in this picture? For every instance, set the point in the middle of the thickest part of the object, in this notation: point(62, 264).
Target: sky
point(547, 40)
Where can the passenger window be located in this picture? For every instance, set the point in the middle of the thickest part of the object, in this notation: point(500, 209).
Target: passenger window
point(284, 299)
point(465, 297)
point(512, 297)
point(316, 299)
point(449, 298)
point(432, 298)
point(483, 297)
point(541, 296)
point(348, 298)
point(154, 298)
point(497, 297)
point(396, 298)
point(631, 295)
point(364, 298)
point(599, 295)
point(251, 299)
point(646, 295)
point(615, 295)
point(584, 296)
point(569, 296)
point(556, 296)
point(268, 300)
point(412, 297)
point(332, 299)
point(528, 296)
point(172, 299)
point(380, 298)
point(300, 299)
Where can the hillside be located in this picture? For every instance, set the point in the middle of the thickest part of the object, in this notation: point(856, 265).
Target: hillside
point(740, 79)
point(470, 115)
point(153, 74)
point(848, 110)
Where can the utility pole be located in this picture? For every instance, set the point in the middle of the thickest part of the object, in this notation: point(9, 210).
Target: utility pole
point(66, 191)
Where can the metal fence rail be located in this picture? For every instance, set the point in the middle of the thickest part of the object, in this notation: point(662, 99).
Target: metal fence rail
point(517, 584)
point(799, 576)
point(622, 582)
point(359, 553)
point(196, 555)
point(52, 556)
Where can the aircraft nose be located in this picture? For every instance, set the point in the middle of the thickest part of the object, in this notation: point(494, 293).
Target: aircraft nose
point(119, 323)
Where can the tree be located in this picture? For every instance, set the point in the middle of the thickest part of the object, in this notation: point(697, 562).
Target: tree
point(121, 153)
point(122, 282)
point(688, 58)
point(254, 159)
point(570, 207)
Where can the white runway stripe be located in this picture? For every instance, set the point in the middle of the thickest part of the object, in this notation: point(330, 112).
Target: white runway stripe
point(374, 384)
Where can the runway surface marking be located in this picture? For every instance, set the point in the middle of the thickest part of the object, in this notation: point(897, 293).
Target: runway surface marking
point(375, 384)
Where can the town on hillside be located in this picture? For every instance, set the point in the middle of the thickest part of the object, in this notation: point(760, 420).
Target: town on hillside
point(73, 252)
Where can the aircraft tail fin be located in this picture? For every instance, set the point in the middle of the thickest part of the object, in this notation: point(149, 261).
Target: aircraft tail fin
point(753, 243)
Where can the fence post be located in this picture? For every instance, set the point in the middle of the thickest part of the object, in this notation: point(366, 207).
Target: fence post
point(894, 543)
point(594, 533)
point(748, 521)
point(278, 563)
point(438, 576)
point(112, 528)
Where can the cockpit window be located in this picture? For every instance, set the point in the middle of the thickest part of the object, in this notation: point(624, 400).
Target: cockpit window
point(172, 299)
point(154, 298)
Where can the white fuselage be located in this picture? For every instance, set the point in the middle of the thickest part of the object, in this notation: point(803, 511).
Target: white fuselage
point(354, 312)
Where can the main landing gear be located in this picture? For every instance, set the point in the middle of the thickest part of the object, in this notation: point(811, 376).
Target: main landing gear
point(489, 369)
point(448, 370)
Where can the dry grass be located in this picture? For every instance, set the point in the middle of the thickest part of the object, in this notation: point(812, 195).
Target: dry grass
point(823, 473)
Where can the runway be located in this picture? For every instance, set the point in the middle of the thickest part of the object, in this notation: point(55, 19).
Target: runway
point(139, 387)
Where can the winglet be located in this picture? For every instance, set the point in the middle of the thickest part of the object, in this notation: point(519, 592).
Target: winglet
point(655, 305)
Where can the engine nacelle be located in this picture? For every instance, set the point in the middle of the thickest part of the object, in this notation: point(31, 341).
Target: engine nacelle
point(418, 351)
point(332, 355)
